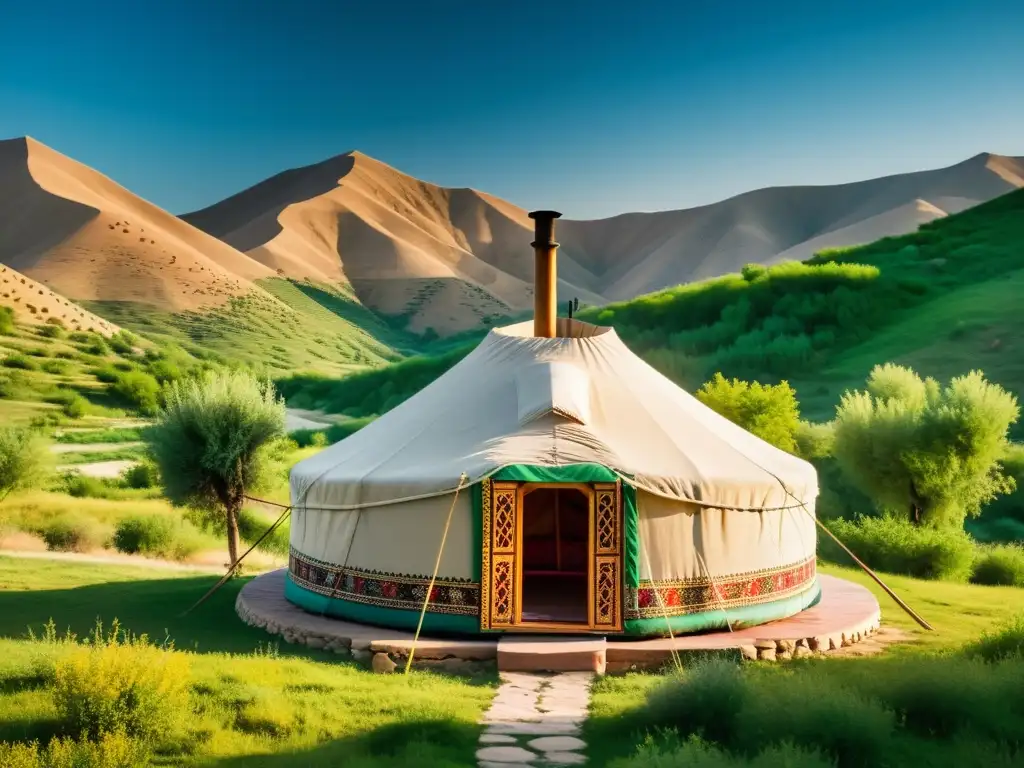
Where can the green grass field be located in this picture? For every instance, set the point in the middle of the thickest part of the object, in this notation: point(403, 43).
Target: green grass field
point(255, 704)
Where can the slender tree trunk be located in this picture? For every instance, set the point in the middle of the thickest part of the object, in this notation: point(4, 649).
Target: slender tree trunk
point(232, 512)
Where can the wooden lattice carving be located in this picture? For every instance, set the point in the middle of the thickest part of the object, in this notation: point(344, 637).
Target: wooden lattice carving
point(606, 521)
point(503, 588)
point(503, 524)
point(606, 592)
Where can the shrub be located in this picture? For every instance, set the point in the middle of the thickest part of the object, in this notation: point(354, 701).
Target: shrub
point(56, 367)
point(73, 533)
point(25, 459)
point(897, 546)
point(705, 699)
point(1004, 644)
point(1000, 565)
point(670, 752)
point(151, 534)
point(121, 683)
point(112, 750)
point(932, 454)
point(7, 326)
point(122, 342)
point(72, 404)
point(141, 475)
point(85, 487)
point(770, 412)
point(50, 331)
point(20, 362)
point(139, 390)
point(814, 441)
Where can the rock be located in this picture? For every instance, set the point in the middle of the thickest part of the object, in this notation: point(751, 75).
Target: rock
point(341, 650)
point(784, 655)
point(817, 643)
point(834, 643)
point(785, 646)
point(515, 755)
point(801, 643)
point(766, 654)
point(845, 641)
point(557, 744)
point(764, 645)
point(496, 738)
point(359, 645)
point(564, 758)
point(748, 652)
point(382, 664)
point(802, 652)
point(360, 655)
point(454, 665)
point(316, 643)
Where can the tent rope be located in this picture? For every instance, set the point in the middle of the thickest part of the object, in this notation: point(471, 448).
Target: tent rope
point(437, 566)
point(676, 659)
point(234, 566)
point(714, 589)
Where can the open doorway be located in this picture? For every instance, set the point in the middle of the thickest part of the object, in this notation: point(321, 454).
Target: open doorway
point(555, 556)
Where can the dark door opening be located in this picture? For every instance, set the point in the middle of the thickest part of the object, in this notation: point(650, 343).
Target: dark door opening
point(555, 556)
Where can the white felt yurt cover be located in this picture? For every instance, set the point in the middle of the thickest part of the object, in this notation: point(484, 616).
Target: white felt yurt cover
point(583, 397)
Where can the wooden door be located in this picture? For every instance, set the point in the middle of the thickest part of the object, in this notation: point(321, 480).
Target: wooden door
point(606, 574)
point(499, 578)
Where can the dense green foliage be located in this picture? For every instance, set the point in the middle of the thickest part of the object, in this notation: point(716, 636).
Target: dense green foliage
point(930, 453)
point(24, 459)
point(6, 321)
point(770, 412)
point(214, 440)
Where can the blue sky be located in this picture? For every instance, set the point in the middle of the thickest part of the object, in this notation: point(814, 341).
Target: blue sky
point(591, 108)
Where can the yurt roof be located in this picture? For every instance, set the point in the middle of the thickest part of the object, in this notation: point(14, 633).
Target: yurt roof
point(580, 397)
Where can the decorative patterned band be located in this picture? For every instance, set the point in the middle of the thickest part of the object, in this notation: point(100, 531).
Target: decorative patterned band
point(676, 598)
point(384, 590)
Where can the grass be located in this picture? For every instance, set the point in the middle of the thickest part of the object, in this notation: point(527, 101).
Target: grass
point(91, 457)
point(952, 710)
point(254, 705)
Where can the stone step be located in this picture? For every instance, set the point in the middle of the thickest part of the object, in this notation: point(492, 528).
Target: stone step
point(552, 654)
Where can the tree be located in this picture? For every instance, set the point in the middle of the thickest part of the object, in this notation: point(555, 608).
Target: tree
point(25, 459)
point(928, 452)
point(214, 441)
point(769, 411)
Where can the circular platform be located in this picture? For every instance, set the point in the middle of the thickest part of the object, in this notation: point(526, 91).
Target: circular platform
point(846, 614)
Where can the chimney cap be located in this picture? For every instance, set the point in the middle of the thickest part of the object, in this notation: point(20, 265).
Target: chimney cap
point(544, 215)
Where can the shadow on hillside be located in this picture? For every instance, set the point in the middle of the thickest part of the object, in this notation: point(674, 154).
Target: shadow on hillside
point(423, 743)
point(151, 606)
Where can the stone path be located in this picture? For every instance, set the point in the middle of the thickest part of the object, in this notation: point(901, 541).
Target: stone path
point(535, 720)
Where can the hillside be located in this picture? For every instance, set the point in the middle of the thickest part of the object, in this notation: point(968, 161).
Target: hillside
point(79, 234)
point(33, 303)
point(449, 259)
point(943, 299)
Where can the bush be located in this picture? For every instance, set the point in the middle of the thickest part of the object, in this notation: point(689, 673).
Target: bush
point(141, 475)
point(51, 330)
point(1000, 565)
point(82, 486)
point(1006, 643)
point(770, 412)
point(7, 326)
point(112, 750)
point(72, 533)
point(121, 683)
point(897, 546)
point(25, 459)
point(156, 535)
point(138, 389)
point(670, 752)
point(55, 367)
point(929, 453)
point(20, 362)
point(122, 342)
point(705, 699)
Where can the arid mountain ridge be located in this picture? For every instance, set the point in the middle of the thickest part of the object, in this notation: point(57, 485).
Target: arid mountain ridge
point(440, 258)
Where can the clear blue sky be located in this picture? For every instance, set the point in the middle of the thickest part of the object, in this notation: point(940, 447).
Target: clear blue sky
point(592, 108)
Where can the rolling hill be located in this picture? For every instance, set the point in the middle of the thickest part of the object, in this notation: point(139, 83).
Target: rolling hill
point(33, 303)
point(448, 259)
point(81, 235)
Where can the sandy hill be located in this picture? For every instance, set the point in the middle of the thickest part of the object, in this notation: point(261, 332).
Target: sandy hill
point(86, 237)
point(445, 258)
point(33, 304)
point(449, 257)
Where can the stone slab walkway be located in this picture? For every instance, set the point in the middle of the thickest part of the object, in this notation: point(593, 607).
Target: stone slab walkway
point(535, 720)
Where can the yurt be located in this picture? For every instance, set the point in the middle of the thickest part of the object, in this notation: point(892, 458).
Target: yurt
point(553, 482)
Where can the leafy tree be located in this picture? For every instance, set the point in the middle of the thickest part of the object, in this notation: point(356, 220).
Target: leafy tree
point(215, 441)
point(769, 411)
point(928, 452)
point(25, 459)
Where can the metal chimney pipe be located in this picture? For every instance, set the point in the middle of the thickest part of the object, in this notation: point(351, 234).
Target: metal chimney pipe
point(545, 273)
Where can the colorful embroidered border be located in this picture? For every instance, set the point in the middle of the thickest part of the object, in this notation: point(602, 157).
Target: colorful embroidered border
point(696, 595)
point(384, 590)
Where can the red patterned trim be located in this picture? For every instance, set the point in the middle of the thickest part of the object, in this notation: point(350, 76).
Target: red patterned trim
point(385, 590)
point(686, 596)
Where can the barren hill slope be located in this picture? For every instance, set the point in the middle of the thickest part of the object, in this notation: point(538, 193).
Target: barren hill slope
point(33, 304)
point(448, 258)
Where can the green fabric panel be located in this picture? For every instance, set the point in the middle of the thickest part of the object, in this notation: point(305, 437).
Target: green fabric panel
point(394, 618)
point(740, 617)
point(478, 530)
point(630, 539)
point(568, 473)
